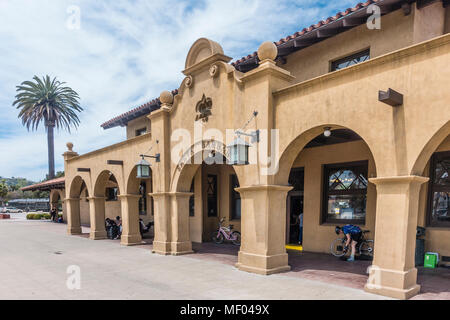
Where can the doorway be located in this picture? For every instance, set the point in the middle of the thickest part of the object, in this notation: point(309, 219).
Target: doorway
point(294, 206)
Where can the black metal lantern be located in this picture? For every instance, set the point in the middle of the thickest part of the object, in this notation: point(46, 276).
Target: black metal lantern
point(238, 152)
point(143, 169)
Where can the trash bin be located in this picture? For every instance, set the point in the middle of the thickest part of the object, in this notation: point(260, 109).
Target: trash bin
point(420, 246)
point(431, 260)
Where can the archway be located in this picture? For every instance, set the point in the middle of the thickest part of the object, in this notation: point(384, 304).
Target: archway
point(56, 199)
point(328, 177)
point(104, 204)
point(434, 200)
point(330, 180)
point(142, 188)
point(77, 207)
point(189, 202)
point(212, 182)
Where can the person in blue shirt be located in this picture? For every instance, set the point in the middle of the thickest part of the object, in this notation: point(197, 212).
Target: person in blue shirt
point(300, 223)
point(353, 235)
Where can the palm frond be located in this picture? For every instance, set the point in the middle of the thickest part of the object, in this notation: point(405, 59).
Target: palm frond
point(47, 100)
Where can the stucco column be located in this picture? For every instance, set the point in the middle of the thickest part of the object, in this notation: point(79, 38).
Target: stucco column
point(180, 240)
point(130, 220)
point(161, 242)
point(97, 217)
point(73, 216)
point(263, 228)
point(393, 271)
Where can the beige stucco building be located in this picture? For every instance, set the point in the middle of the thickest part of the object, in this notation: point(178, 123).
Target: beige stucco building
point(385, 166)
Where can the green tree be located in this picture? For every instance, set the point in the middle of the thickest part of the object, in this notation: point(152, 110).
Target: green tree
point(58, 174)
point(51, 102)
point(3, 191)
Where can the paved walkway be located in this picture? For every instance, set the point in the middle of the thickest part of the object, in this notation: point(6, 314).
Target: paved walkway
point(35, 256)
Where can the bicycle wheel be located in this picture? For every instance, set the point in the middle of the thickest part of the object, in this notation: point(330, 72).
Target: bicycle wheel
point(217, 237)
point(366, 248)
point(236, 238)
point(337, 247)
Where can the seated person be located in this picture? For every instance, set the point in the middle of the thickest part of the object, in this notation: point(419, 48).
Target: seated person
point(111, 228)
point(144, 228)
point(118, 224)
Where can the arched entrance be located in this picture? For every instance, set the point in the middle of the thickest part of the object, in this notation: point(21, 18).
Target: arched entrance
point(77, 205)
point(143, 213)
point(265, 206)
point(56, 200)
point(104, 204)
point(329, 176)
point(202, 192)
point(434, 203)
point(214, 198)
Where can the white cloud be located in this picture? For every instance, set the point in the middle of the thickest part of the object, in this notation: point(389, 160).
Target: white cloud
point(125, 53)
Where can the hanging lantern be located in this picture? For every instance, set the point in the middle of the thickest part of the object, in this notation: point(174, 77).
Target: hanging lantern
point(238, 152)
point(143, 169)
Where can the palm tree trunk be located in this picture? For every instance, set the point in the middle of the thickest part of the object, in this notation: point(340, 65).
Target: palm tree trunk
point(51, 151)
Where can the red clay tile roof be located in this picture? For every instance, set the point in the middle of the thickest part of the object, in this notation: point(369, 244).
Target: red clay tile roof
point(57, 183)
point(144, 109)
point(311, 28)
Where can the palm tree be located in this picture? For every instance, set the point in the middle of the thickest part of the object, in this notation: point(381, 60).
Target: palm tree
point(48, 101)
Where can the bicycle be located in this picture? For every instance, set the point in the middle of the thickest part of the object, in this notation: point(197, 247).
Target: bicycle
point(364, 247)
point(224, 233)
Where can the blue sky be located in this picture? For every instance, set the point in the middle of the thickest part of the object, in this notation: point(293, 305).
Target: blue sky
point(124, 54)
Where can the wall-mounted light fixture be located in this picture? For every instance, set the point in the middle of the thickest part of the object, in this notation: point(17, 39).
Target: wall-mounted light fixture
point(327, 132)
point(238, 149)
point(143, 166)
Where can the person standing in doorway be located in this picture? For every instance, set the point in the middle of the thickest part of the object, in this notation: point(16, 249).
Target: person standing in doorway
point(300, 231)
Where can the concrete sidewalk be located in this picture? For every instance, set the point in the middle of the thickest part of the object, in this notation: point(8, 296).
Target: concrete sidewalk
point(35, 256)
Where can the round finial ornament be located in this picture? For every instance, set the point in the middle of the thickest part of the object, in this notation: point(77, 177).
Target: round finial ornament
point(267, 51)
point(69, 146)
point(166, 97)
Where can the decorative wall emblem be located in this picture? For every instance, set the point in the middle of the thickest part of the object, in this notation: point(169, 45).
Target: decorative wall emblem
point(214, 70)
point(203, 109)
point(189, 82)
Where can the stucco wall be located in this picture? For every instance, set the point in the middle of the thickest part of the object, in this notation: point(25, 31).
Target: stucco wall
point(396, 32)
point(317, 237)
point(137, 124)
point(436, 239)
point(429, 22)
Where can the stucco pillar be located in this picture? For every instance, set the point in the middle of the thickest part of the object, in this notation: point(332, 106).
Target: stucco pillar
point(160, 120)
point(73, 216)
point(180, 239)
point(393, 271)
point(97, 218)
point(161, 242)
point(130, 220)
point(263, 228)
